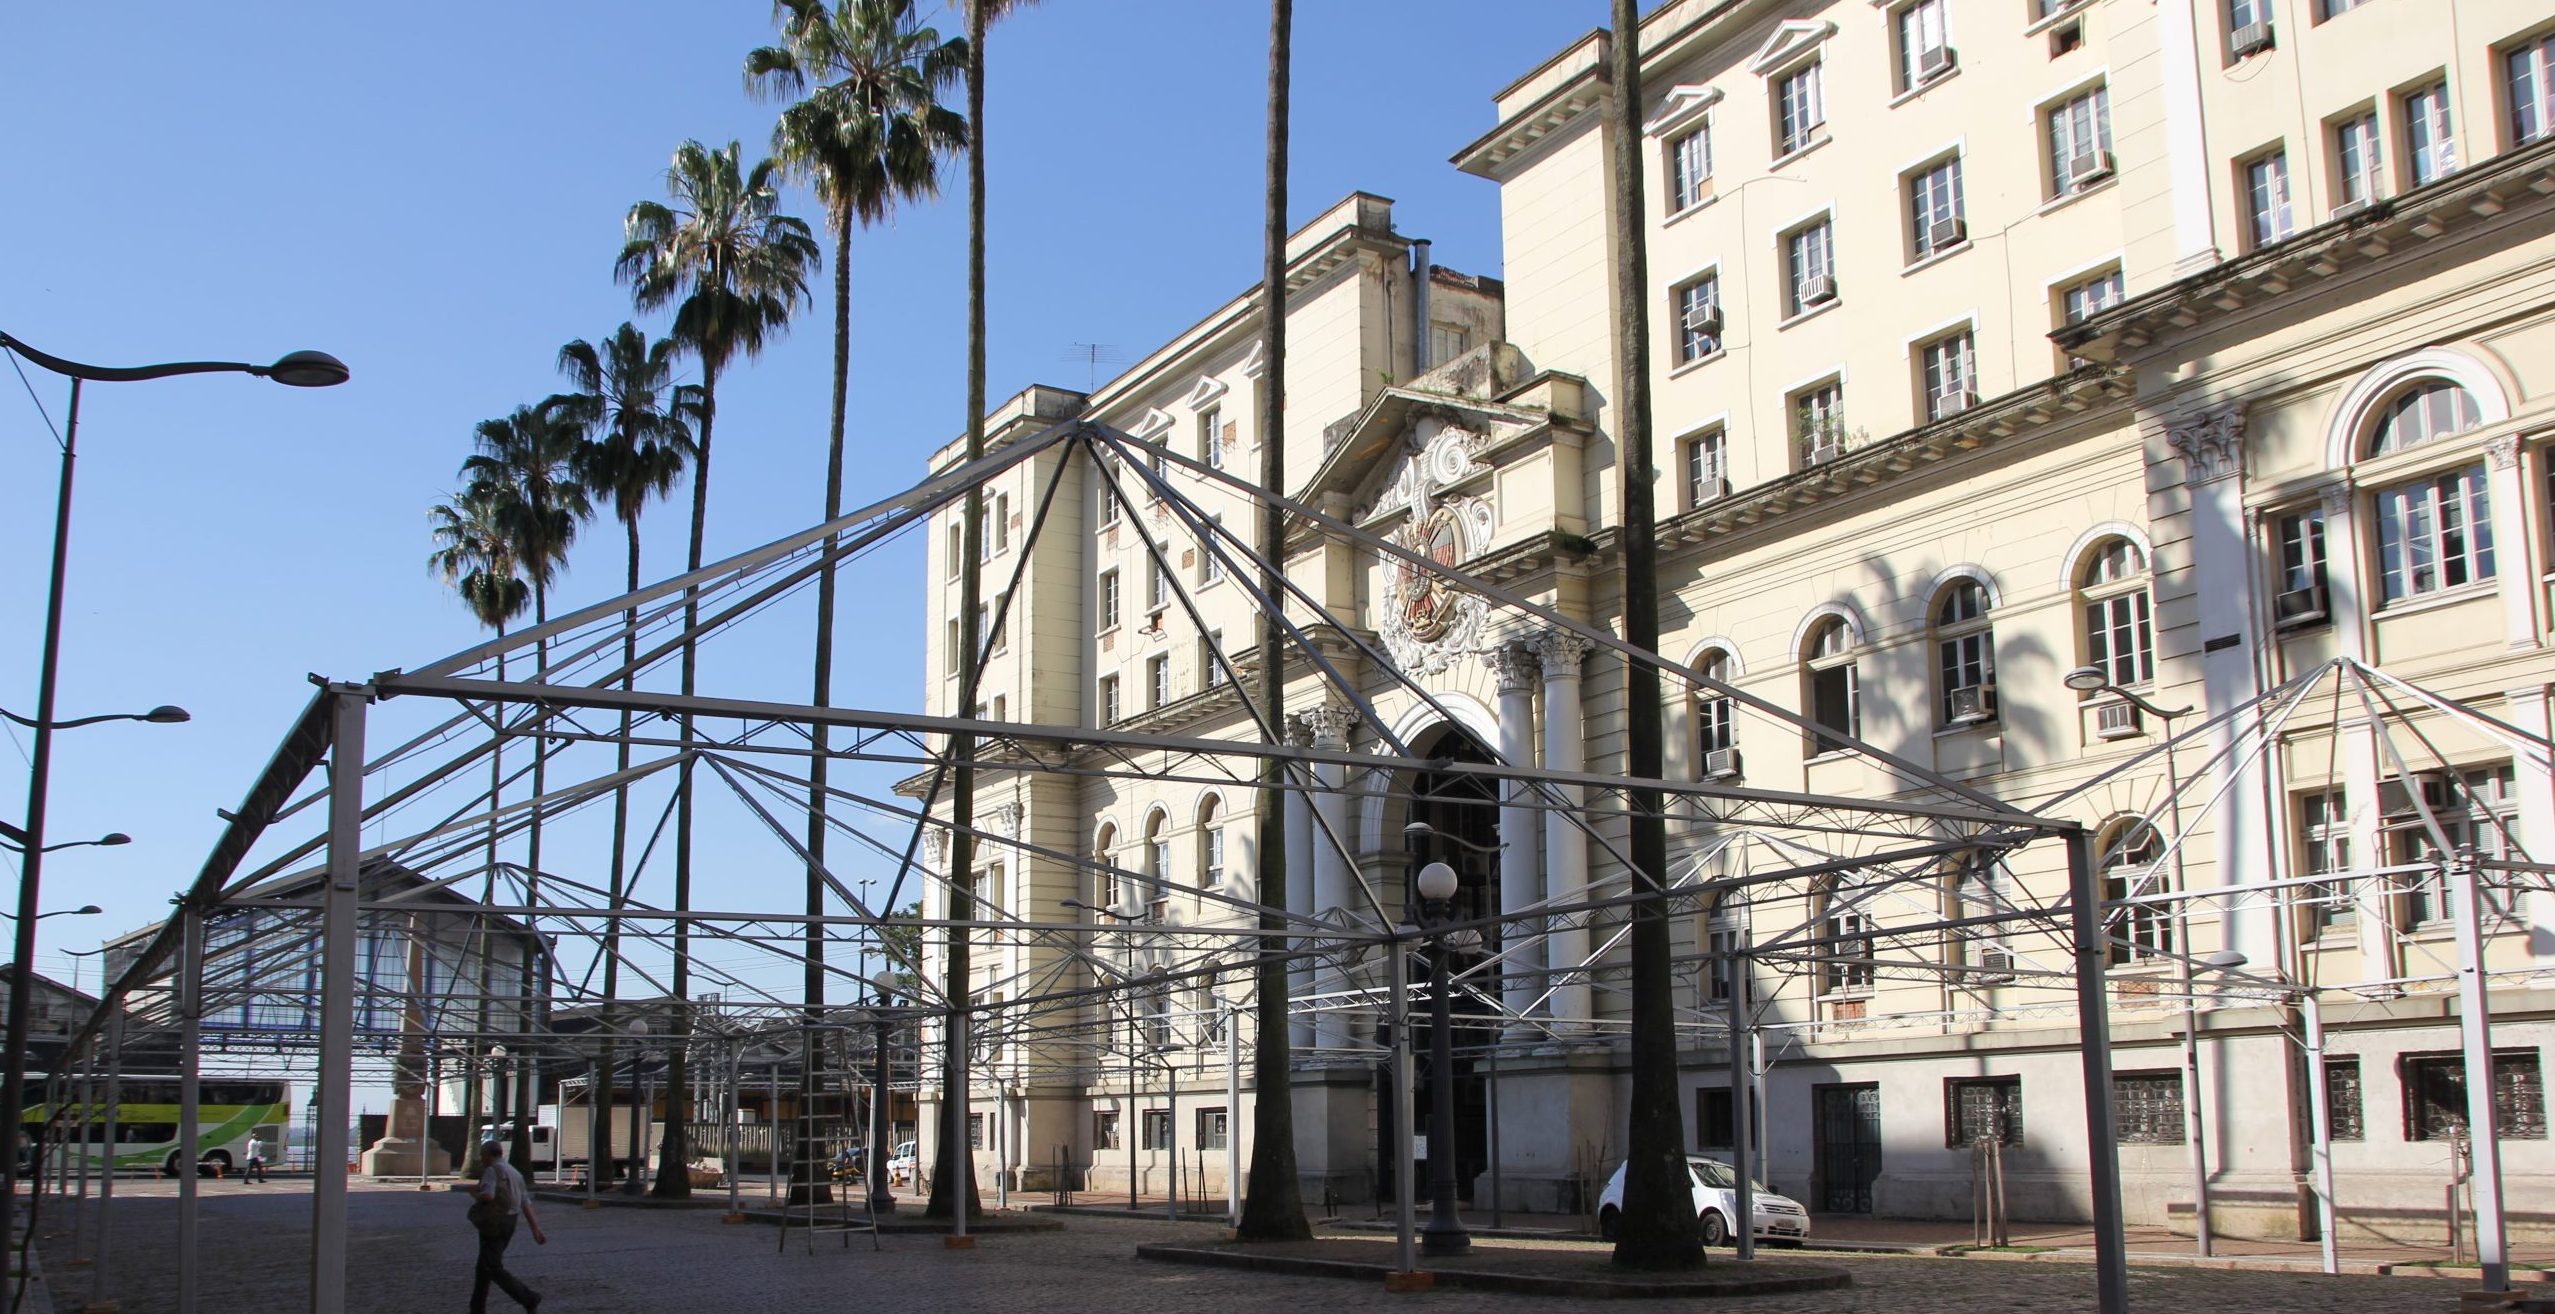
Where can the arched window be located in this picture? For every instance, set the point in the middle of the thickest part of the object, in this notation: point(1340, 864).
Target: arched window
point(1829, 690)
point(1157, 866)
point(1210, 844)
point(2131, 867)
point(2120, 633)
point(1104, 887)
point(1965, 648)
point(2426, 412)
point(1716, 727)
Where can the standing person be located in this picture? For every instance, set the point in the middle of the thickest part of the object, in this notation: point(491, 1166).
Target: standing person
point(497, 1198)
point(256, 1171)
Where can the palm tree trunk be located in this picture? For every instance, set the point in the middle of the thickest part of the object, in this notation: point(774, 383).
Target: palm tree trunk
point(811, 1183)
point(674, 1155)
point(1273, 1209)
point(1659, 1228)
point(954, 1176)
point(691, 621)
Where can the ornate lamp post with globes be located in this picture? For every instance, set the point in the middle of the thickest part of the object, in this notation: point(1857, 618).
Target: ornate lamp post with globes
point(1445, 1234)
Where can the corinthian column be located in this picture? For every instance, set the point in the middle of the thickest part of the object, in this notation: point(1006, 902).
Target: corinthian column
point(1565, 849)
point(1519, 868)
point(1333, 883)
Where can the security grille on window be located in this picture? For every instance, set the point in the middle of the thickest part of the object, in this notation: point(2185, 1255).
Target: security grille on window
point(1951, 376)
point(1689, 168)
point(2357, 161)
point(2430, 146)
point(2147, 1108)
point(2132, 868)
point(1698, 319)
point(1800, 109)
point(1965, 646)
point(2531, 83)
point(2324, 849)
point(2435, 1096)
point(1818, 423)
point(2119, 632)
point(1810, 261)
point(2267, 213)
point(1925, 51)
point(1212, 1126)
point(2435, 533)
point(2342, 1098)
point(1977, 1110)
point(1707, 469)
point(2301, 599)
point(2093, 296)
point(1834, 700)
point(975, 1131)
point(1935, 211)
point(2080, 141)
point(1157, 1129)
point(1104, 1132)
point(1157, 680)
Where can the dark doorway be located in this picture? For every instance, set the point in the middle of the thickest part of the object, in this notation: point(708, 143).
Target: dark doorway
point(1848, 1127)
point(1456, 807)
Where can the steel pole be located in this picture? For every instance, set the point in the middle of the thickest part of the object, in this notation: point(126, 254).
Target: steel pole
point(881, 1128)
point(2475, 1031)
point(1232, 1115)
point(772, 1122)
point(735, 1128)
point(1742, 1113)
point(334, 1095)
point(595, 1132)
point(2195, 1096)
point(2102, 1147)
point(31, 869)
point(2320, 1130)
point(98, 1299)
point(1490, 1089)
point(190, 1040)
point(1171, 1130)
point(1445, 1235)
point(1404, 1207)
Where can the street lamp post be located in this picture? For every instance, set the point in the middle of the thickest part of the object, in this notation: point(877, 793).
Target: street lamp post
point(301, 369)
point(880, 1201)
point(641, 1116)
point(1445, 1234)
point(2095, 680)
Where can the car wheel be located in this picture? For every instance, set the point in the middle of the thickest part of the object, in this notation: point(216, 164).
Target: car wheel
point(1608, 1219)
point(169, 1165)
point(1715, 1232)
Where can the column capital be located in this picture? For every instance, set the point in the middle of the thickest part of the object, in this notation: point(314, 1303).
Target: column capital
point(2210, 443)
point(1560, 652)
point(2336, 499)
point(2503, 450)
point(1296, 733)
point(1513, 665)
point(1330, 724)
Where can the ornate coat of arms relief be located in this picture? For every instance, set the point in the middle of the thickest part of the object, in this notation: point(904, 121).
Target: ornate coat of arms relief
point(1428, 622)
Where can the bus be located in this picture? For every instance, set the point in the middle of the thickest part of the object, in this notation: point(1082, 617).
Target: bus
point(229, 1111)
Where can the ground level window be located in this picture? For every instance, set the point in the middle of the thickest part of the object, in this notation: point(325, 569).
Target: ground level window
point(1104, 1131)
point(2342, 1097)
point(2435, 1096)
point(975, 1131)
point(1712, 1129)
point(1212, 1126)
point(1981, 1109)
point(1157, 1129)
point(2147, 1107)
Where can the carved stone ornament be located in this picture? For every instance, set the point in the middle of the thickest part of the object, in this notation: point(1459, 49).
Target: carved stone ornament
point(2503, 450)
point(1330, 724)
point(1512, 666)
point(1427, 620)
point(2210, 443)
point(2336, 500)
point(936, 849)
point(1560, 651)
point(1005, 821)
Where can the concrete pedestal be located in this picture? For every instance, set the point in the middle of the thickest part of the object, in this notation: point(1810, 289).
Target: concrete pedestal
point(1559, 1132)
point(1335, 1122)
point(405, 1151)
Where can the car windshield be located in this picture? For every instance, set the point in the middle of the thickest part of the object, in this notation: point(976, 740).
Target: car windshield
point(1720, 1176)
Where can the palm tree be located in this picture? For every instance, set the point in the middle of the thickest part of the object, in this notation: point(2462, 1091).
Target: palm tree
point(634, 423)
point(472, 555)
point(1273, 1207)
point(524, 471)
point(735, 269)
point(868, 130)
point(1659, 1229)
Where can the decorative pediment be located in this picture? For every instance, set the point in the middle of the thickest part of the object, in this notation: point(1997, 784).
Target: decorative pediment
point(1684, 105)
point(1204, 395)
point(1155, 422)
point(1257, 361)
point(1794, 41)
point(1438, 456)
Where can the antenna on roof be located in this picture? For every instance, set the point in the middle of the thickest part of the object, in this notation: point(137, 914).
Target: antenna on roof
point(1093, 355)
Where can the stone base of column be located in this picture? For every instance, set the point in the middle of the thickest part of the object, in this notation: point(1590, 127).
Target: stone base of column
point(1335, 1160)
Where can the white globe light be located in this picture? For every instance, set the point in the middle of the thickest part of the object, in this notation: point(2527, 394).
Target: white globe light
point(1437, 881)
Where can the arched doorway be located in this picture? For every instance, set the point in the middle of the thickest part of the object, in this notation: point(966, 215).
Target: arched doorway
point(1460, 812)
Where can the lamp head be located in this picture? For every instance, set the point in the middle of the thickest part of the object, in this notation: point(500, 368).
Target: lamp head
point(113, 838)
point(2225, 960)
point(167, 714)
point(1418, 830)
point(87, 910)
point(2086, 679)
point(309, 369)
point(1437, 882)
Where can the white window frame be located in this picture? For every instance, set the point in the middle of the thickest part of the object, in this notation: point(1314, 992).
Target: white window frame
point(1157, 681)
point(1707, 466)
point(1818, 421)
point(2270, 211)
point(1948, 368)
point(2118, 608)
point(2431, 528)
point(2091, 296)
point(2430, 134)
point(2528, 84)
point(1934, 194)
point(1689, 164)
point(1800, 107)
point(1109, 708)
point(1910, 30)
point(2359, 158)
point(1110, 600)
point(1964, 644)
point(1809, 251)
point(1690, 303)
point(2076, 126)
point(1831, 653)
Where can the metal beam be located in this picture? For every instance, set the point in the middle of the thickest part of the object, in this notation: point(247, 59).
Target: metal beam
point(334, 1093)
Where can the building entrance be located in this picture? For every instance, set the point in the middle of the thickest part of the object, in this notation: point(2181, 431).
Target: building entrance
point(1462, 816)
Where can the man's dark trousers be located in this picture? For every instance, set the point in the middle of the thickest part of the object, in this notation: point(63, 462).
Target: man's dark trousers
point(492, 1268)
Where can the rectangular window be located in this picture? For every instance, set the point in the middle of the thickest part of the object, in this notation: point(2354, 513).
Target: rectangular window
point(1104, 1131)
point(2430, 147)
point(1716, 716)
point(1689, 168)
point(1213, 875)
point(1698, 307)
point(1002, 522)
point(1157, 1129)
point(1108, 499)
point(1212, 1126)
point(1211, 554)
point(1720, 943)
point(975, 1131)
point(1924, 44)
point(1981, 1109)
point(1108, 600)
point(1951, 376)
point(2324, 849)
point(2266, 186)
point(957, 554)
point(2246, 13)
point(2531, 85)
point(1847, 968)
point(1809, 262)
point(2434, 534)
point(1935, 212)
point(1446, 342)
point(1800, 109)
point(1157, 679)
point(1109, 700)
point(1159, 459)
point(2342, 1097)
point(2147, 1108)
point(2302, 556)
point(1712, 1123)
point(1818, 423)
point(1707, 469)
point(2435, 1096)
point(2095, 295)
point(1211, 436)
point(2473, 809)
point(1210, 670)
point(2357, 163)
point(1157, 584)
point(2336, 8)
point(2080, 142)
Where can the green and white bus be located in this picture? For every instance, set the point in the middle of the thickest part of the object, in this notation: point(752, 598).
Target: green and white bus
point(229, 1111)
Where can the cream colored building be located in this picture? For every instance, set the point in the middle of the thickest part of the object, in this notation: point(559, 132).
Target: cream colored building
point(2202, 342)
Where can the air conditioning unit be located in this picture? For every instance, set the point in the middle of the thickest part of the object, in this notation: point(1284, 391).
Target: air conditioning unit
point(1721, 764)
point(2251, 39)
point(2089, 168)
point(2396, 797)
point(2349, 208)
point(1818, 290)
point(1975, 705)
point(1934, 62)
point(1995, 966)
point(1710, 326)
point(2297, 608)
point(2116, 721)
point(1712, 490)
point(1943, 233)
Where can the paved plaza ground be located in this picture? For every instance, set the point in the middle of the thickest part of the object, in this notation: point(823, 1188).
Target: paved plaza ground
point(412, 1251)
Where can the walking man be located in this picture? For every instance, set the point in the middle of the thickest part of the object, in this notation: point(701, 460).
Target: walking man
point(497, 1199)
point(256, 1171)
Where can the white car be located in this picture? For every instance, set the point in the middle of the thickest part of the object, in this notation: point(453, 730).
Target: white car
point(1779, 1219)
point(900, 1163)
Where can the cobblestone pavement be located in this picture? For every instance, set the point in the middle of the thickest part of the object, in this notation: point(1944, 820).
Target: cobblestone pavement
point(412, 1251)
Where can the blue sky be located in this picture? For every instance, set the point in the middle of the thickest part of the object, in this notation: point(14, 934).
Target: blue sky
point(434, 194)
